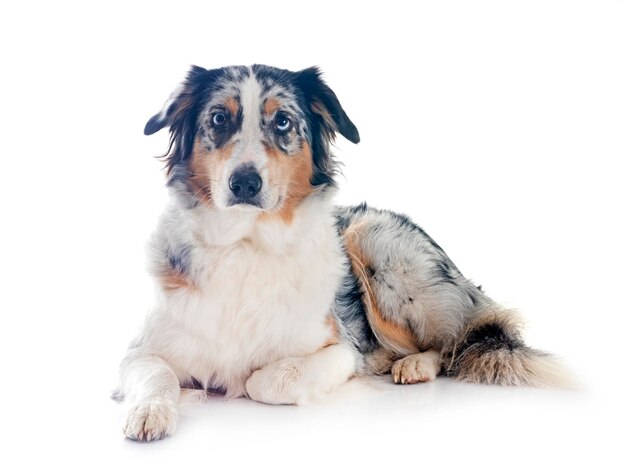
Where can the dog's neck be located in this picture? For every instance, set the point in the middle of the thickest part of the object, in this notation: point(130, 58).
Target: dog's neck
point(312, 222)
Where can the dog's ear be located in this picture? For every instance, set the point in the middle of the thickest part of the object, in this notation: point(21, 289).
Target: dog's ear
point(164, 117)
point(323, 102)
point(182, 99)
point(180, 114)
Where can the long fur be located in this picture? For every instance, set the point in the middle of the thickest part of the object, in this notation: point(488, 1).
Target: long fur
point(267, 290)
point(491, 351)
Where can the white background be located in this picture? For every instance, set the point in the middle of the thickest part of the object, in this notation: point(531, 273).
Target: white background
point(498, 126)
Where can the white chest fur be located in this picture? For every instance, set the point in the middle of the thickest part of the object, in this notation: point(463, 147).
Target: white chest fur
point(264, 291)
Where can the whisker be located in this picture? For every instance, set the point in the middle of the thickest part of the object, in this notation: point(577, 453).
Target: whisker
point(202, 190)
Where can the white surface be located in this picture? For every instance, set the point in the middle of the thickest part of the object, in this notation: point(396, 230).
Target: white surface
point(443, 423)
point(498, 126)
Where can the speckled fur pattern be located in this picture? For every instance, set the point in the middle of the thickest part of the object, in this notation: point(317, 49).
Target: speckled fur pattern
point(278, 295)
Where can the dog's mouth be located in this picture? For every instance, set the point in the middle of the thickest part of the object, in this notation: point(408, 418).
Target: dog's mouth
point(250, 204)
point(257, 204)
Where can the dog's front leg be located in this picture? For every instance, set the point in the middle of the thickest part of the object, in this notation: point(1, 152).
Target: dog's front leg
point(152, 390)
point(297, 380)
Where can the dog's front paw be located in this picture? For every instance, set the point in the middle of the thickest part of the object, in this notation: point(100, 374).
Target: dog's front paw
point(416, 368)
point(277, 383)
point(151, 420)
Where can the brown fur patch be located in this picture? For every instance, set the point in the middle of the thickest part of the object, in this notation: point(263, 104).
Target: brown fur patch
point(232, 105)
point(172, 280)
point(184, 103)
point(205, 167)
point(270, 105)
point(321, 110)
point(294, 170)
point(331, 322)
point(392, 334)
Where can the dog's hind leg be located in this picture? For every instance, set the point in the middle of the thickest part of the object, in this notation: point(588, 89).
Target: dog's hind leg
point(152, 390)
point(417, 299)
point(298, 380)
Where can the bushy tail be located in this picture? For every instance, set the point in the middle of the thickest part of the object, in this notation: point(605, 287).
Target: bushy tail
point(492, 351)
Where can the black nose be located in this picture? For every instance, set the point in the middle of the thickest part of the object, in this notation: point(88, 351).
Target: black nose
point(245, 183)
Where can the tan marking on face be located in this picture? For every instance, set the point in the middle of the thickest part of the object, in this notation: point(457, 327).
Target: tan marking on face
point(206, 167)
point(270, 106)
point(389, 332)
point(294, 171)
point(331, 323)
point(232, 105)
point(172, 280)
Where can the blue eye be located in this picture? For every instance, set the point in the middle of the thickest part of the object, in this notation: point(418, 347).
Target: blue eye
point(282, 123)
point(219, 119)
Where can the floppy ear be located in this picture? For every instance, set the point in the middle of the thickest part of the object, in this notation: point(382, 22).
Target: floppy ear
point(180, 114)
point(163, 118)
point(324, 103)
point(182, 99)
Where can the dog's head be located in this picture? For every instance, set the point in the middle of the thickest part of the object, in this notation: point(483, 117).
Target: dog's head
point(252, 137)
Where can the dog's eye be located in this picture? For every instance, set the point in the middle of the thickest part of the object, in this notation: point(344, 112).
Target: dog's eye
point(282, 123)
point(219, 119)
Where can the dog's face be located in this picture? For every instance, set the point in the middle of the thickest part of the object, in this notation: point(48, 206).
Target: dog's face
point(253, 138)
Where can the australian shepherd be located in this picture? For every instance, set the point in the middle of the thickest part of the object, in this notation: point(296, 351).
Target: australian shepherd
point(268, 290)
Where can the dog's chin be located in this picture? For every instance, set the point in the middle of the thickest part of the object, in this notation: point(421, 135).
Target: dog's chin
point(249, 205)
point(255, 205)
point(244, 207)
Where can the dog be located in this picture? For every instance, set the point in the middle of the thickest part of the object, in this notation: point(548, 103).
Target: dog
point(267, 290)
